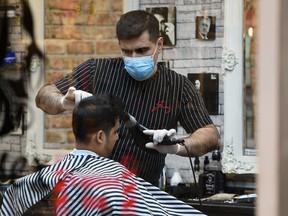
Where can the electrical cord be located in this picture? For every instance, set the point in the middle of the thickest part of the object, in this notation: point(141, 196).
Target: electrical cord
point(194, 177)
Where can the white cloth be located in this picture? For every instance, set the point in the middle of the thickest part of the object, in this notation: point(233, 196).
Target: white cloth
point(83, 152)
point(91, 185)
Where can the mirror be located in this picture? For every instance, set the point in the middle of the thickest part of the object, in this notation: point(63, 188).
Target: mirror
point(239, 153)
point(235, 157)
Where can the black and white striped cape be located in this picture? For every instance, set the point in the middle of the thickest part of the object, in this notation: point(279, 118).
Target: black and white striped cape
point(91, 185)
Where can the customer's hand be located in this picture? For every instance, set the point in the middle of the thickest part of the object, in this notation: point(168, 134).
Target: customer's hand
point(158, 136)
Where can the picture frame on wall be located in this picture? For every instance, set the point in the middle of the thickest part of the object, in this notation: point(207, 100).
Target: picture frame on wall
point(205, 28)
point(207, 84)
point(167, 23)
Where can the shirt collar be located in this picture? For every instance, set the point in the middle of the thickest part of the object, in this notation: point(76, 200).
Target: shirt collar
point(83, 152)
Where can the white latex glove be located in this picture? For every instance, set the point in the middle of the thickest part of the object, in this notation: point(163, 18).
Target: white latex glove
point(73, 97)
point(80, 95)
point(158, 136)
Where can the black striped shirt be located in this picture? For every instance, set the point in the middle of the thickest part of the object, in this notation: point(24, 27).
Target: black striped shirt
point(91, 185)
point(157, 103)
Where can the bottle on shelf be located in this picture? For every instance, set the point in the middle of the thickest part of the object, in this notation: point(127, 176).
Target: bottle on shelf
point(176, 178)
point(202, 177)
point(214, 177)
point(10, 56)
point(162, 180)
point(206, 162)
point(197, 168)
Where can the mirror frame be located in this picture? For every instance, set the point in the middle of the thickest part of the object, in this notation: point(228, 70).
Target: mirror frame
point(35, 116)
point(234, 160)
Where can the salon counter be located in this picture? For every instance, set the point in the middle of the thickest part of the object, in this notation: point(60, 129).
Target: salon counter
point(243, 207)
point(217, 208)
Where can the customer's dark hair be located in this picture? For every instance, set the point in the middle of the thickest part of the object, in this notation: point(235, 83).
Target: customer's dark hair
point(98, 112)
point(134, 23)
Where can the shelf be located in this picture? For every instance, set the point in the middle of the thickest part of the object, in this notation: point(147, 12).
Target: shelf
point(213, 208)
point(12, 72)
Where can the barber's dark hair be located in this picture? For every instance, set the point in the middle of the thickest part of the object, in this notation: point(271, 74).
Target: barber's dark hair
point(134, 23)
point(98, 112)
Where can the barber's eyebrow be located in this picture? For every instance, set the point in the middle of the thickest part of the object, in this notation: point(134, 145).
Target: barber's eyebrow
point(138, 50)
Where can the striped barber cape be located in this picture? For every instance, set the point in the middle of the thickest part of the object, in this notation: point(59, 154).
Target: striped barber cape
point(91, 185)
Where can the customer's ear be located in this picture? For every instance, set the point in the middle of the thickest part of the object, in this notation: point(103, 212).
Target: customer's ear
point(99, 137)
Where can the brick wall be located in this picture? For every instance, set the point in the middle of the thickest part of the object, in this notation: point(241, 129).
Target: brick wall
point(70, 39)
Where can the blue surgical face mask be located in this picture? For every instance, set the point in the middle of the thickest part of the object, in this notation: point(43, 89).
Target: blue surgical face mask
point(140, 68)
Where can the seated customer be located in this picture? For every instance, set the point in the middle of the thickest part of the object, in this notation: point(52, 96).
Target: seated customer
point(86, 182)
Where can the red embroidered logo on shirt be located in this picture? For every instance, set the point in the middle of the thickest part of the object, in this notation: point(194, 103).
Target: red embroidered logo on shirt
point(160, 105)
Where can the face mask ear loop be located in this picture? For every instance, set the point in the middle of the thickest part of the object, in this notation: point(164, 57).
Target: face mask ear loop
point(122, 54)
point(155, 63)
point(155, 49)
